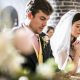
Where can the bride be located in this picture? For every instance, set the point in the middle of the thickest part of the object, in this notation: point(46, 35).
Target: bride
point(64, 42)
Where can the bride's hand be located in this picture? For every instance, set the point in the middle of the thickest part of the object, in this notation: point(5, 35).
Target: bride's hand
point(69, 74)
point(76, 45)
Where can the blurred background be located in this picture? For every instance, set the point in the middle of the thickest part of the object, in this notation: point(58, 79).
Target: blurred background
point(12, 12)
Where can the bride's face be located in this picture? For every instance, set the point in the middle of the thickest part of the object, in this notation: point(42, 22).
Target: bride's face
point(75, 31)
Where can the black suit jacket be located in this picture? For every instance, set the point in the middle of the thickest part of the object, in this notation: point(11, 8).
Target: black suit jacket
point(47, 52)
point(31, 60)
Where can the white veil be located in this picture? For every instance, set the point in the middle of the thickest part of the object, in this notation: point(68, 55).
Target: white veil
point(60, 41)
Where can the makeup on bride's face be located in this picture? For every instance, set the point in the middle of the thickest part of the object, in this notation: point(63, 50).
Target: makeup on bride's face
point(75, 31)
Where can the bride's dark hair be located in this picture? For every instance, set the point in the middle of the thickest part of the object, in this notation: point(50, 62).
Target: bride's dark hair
point(76, 18)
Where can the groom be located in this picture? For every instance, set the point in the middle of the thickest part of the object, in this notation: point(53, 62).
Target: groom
point(38, 13)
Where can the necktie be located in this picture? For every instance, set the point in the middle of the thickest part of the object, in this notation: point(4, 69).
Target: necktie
point(36, 42)
point(38, 48)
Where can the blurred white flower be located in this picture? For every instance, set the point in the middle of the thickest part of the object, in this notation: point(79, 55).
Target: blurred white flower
point(23, 78)
point(10, 59)
point(45, 70)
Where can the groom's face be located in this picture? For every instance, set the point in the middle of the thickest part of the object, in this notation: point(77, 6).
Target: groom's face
point(38, 22)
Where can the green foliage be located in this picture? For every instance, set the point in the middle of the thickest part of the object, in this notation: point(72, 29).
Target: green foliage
point(58, 75)
point(54, 66)
point(69, 67)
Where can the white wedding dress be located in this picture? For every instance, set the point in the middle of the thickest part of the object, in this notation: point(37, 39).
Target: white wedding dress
point(60, 41)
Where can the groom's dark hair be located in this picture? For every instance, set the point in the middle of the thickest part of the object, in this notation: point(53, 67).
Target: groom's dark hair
point(42, 5)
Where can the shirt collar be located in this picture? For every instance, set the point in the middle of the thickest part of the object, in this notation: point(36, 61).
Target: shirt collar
point(28, 30)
